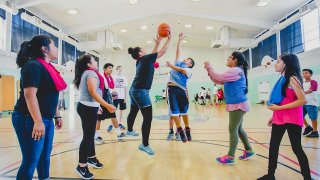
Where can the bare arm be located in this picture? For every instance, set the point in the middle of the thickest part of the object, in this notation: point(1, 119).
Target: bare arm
point(309, 91)
point(179, 46)
point(157, 42)
point(30, 95)
point(164, 47)
point(92, 83)
point(176, 68)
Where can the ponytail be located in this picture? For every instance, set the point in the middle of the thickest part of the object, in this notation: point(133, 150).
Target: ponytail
point(242, 63)
point(32, 49)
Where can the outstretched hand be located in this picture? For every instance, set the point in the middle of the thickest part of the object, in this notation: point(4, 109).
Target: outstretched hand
point(168, 64)
point(181, 36)
point(158, 39)
point(206, 64)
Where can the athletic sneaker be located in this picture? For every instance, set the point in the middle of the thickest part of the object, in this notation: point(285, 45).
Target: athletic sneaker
point(188, 134)
point(267, 177)
point(121, 136)
point(99, 140)
point(314, 134)
point(307, 130)
point(94, 162)
point(110, 128)
point(170, 136)
point(146, 149)
point(226, 159)
point(182, 136)
point(84, 172)
point(132, 133)
point(122, 127)
point(247, 155)
point(178, 138)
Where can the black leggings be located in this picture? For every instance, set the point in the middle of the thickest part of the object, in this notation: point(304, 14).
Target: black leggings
point(146, 124)
point(89, 116)
point(294, 132)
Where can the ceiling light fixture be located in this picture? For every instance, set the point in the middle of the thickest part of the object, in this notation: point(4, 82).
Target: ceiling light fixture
point(133, 2)
point(262, 3)
point(195, 0)
point(123, 30)
point(188, 25)
point(72, 11)
point(209, 28)
point(149, 42)
point(144, 27)
point(184, 41)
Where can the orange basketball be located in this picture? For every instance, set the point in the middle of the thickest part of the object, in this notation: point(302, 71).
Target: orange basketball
point(163, 30)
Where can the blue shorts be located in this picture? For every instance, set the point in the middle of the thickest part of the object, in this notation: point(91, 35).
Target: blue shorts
point(140, 97)
point(312, 112)
point(178, 101)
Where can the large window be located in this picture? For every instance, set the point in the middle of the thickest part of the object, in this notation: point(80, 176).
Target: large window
point(68, 52)
point(246, 56)
point(2, 29)
point(21, 31)
point(310, 25)
point(291, 38)
point(265, 47)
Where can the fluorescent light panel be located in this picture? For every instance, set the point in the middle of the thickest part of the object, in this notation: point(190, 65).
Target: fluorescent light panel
point(72, 11)
point(262, 3)
point(133, 2)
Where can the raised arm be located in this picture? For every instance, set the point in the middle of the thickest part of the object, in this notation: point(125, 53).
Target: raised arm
point(164, 47)
point(157, 42)
point(230, 75)
point(181, 37)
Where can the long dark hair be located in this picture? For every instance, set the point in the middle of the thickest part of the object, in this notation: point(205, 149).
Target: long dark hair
point(80, 67)
point(134, 52)
point(242, 63)
point(32, 49)
point(291, 69)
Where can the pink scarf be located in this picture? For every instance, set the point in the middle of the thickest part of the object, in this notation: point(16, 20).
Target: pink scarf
point(54, 74)
point(100, 79)
point(109, 81)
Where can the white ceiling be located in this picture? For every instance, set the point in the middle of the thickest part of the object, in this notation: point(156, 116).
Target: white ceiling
point(242, 16)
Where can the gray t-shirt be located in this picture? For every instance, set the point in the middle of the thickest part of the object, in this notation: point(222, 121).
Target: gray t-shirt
point(85, 97)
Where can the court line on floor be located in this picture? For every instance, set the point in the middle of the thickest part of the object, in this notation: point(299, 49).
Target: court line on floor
point(285, 157)
point(287, 166)
point(20, 160)
point(64, 178)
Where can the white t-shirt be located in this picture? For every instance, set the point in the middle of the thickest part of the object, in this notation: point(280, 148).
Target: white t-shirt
point(312, 98)
point(120, 83)
point(215, 90)
point(202, 93)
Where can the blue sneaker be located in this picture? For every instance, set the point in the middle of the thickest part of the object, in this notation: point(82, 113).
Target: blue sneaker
point(225, 160)
point(247, 155)
point(132, 133)
point(110, 128)
point(178, 138)
point(146, 149)
point(170, 137)
point(122, 127)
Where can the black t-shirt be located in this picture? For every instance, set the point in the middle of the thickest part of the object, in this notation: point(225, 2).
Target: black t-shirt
point(145, 71)
point(33, 74)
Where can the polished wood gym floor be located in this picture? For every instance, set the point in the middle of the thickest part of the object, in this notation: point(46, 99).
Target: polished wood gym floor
point(173, 160)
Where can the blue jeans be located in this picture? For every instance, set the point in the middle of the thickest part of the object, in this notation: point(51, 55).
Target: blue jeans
point(140, 97)
point(178, 101)
point(35, 154)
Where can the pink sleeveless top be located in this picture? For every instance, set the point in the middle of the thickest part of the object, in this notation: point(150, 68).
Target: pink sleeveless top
point(291, 116)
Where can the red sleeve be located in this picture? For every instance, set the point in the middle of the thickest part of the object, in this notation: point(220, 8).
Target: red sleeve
point(314, 85)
